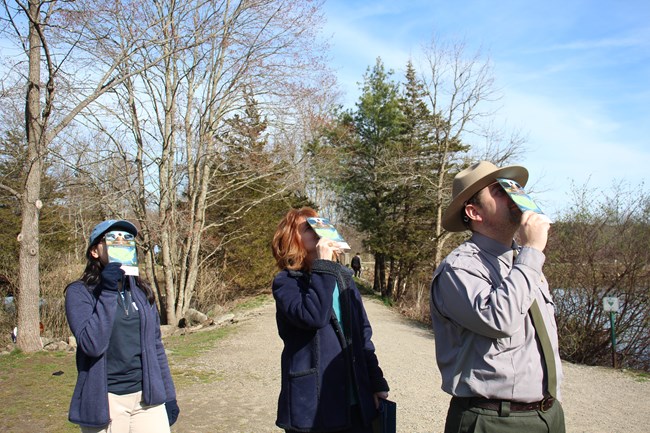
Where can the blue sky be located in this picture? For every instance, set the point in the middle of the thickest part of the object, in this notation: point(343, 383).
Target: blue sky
point(574, 75)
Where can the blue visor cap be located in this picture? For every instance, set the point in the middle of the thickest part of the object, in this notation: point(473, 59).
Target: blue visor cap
point(108, 225)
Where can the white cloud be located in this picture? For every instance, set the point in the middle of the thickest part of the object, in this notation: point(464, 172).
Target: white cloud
point(573, 141)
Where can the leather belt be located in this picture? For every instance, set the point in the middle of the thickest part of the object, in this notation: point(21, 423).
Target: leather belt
point(515, 406)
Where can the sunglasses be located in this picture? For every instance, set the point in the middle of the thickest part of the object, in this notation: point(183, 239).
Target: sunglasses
point(112, 236)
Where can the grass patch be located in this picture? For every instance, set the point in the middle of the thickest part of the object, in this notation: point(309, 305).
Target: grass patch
point(188, 376)
point(188, 346)
point(33, 399)
point(366, 290)
point(252, 303)
point(193, 344)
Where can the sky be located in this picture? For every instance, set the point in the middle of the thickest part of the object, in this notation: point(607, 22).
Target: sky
point(574, 76)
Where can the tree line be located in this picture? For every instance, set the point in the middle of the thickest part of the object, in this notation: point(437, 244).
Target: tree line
point(392, 159)
point(165, 113)
point(203, 121)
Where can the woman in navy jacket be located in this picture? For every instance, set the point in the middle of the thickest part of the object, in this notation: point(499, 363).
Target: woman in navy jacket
point(123, 383)
point(331, 380)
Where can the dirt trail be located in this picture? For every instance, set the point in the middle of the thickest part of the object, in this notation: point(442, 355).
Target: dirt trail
point(243, 400)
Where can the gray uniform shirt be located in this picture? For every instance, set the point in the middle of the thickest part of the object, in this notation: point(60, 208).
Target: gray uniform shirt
point(485, 339)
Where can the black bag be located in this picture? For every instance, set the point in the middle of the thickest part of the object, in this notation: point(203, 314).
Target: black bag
point(386, 422)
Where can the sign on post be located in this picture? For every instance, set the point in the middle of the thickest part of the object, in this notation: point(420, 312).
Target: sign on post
point(610, 304)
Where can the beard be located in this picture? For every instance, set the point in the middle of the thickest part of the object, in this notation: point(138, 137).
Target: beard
point(515, 215)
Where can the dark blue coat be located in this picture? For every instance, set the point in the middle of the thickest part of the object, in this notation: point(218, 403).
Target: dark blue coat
point(323, 369)
point(91, 312)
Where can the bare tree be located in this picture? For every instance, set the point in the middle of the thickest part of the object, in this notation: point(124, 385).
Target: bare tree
point(72, 53)
point(600, 247)
point(174, 131)
point(257, 48)
point(461, 93)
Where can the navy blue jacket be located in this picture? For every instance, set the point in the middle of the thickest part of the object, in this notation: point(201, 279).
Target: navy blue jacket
point(323, 369)
point(91, 312)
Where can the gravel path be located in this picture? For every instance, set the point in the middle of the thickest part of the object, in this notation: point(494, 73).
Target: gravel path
point(243, 399)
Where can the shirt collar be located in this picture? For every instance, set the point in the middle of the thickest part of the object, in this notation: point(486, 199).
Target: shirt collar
point(494, 248)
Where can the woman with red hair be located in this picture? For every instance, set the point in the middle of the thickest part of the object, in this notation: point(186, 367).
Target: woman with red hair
point(331, 380)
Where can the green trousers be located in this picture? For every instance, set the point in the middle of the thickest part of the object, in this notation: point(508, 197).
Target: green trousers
point(464, 419)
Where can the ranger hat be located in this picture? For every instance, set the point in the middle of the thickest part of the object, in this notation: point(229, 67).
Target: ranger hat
point(470, 181)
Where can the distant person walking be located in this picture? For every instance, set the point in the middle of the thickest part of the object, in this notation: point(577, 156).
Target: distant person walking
point(356, 265)
point(493, 314)
point(123, 380)
point(331, 380)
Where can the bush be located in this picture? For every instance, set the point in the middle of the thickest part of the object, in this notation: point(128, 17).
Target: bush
point(602, 248)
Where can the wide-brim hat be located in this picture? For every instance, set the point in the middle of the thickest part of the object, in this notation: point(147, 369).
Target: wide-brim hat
point(470, 181)
point(106, 226)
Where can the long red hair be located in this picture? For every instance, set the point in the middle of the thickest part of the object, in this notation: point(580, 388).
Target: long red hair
point(287, 247)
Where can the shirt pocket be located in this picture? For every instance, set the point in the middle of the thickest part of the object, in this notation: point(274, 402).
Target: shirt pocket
point(548, 307)
point(510, 344)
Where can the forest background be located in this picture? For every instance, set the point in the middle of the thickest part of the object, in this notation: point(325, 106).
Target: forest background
point(204, 121)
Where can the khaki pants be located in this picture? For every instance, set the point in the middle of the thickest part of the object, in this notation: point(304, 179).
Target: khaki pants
point(129, 416)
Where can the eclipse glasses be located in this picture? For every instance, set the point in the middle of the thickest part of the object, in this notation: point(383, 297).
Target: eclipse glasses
point(112, 236)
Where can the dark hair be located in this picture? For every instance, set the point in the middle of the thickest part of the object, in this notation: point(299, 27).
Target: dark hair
point(94, 267)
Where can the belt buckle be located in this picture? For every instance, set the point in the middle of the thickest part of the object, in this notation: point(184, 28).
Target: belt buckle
point(546, 404)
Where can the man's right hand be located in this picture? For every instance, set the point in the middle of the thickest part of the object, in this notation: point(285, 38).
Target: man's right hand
point(533, 231)
point(112, 275)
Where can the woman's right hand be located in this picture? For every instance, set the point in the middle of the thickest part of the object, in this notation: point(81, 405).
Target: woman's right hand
point(112, 275)
point(325, 249)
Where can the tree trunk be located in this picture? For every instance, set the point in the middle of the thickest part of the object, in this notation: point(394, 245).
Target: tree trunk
point(402, 281)
point(390, 286)
point(28, 315)
point(167, 211)
point(379, 284)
